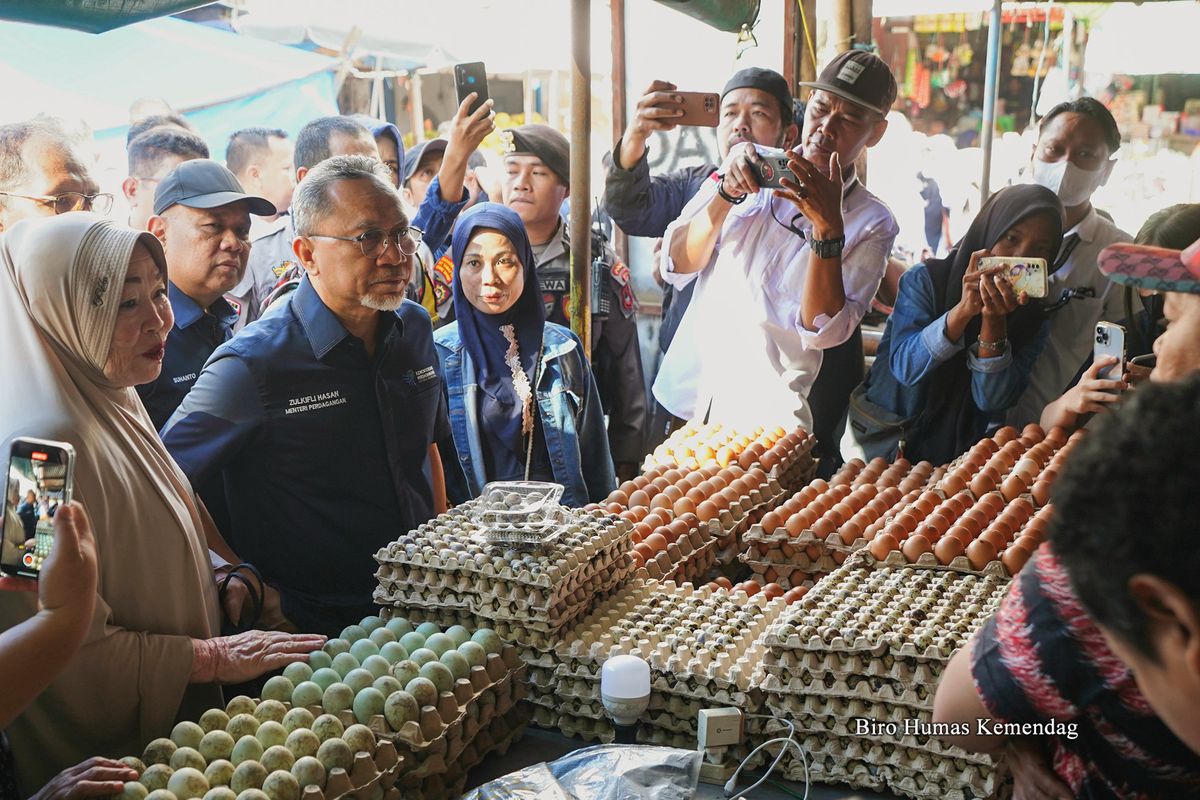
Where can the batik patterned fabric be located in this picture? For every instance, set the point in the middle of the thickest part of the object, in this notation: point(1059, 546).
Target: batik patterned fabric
point(1041, 659)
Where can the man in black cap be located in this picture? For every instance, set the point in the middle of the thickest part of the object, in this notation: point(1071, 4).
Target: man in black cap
point(202, 218)
point(788, 275)
point(756, 106)
point(536, 182)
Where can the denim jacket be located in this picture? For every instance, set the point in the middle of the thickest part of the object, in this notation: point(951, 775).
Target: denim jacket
point(572, 418)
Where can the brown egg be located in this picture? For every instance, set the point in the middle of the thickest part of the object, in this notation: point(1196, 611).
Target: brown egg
point(947, 549)
point(851, 531)
point(672, 493)
point(794, 595)
point(883, 544)
point(1041, 492)
point(740, 486)
point(823, 527)
point(657, 518)
point(981, 484)
point(661, 501)
point(796, 525)
point(707, 511)
point(772, 590)
point(906, 520)
point(1005, 435)
point(953, 484)
point(1028, 542)
point(1014, 558)
point(1056, 436)
point(719, 482)
point(684, 506)
point(980, 553)
point(770, 521)
point(995, 538)
point(915, 546)
point(961, 532)
point(1013, 487)
point(639, 498)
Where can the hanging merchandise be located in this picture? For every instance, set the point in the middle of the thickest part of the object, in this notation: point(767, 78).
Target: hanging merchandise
point(1024, 57)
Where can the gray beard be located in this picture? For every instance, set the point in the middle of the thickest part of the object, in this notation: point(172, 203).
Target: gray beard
point(381, 303)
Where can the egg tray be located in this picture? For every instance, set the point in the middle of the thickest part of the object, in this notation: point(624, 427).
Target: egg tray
point(680, 568)
point(786, 664)
point(508, 583)
point(757, 537)
point(461, 712)
point(439, 760)
point(704, 431)
point(800, 561)
point(840, 726)
point(494, 608)
point(797, 474)
point(606, 531)
point(876, 690)
point(497, 738)
point(611, 628)
point(369, 778)
point(916, 613)
point(895, 559)
point(970, 784)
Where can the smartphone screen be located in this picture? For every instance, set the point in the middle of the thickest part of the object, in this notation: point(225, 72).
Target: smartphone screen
point(469, 78)
point(37, 482)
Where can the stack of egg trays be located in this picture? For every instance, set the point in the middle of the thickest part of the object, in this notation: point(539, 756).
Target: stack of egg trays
point(500, 734)
point(870, 641)
point(437, 740)
point(427, 576)
point(674, 564)
point(743, 515)
point(370, 778)
point(795, 470)
point(685, 676)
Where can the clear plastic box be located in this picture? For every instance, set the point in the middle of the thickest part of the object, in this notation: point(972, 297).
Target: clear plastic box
point(520, 514)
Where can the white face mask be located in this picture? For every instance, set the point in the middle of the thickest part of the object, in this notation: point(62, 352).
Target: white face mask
point(1073, 185)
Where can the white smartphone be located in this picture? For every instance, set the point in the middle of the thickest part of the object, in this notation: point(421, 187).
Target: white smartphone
point(39, 479)
point(1110, 341)
point(1027, 275)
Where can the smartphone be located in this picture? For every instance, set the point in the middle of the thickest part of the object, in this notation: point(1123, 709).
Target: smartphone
point(701, 109)
point(47, 470)
point(469, 78)
point(1110, 341)
point(772, 168)
point(1027, 275)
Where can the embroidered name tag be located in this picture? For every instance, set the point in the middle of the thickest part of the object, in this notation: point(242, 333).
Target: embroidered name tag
point(191, 376)
point(314, 402)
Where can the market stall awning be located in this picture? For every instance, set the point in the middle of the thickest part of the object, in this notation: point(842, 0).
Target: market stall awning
point(1149, 39)
point(372, 28)
point(221, 80)
point(91, 16)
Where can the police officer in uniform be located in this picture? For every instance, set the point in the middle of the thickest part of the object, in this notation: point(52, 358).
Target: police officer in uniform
point(537, 181)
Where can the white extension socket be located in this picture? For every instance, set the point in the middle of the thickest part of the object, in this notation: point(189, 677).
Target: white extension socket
point(720, 727)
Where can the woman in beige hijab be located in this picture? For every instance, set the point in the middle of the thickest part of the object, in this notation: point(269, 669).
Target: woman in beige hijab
point(84, 317)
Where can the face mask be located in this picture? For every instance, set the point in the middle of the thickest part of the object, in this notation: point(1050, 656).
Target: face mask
point(1074, 186)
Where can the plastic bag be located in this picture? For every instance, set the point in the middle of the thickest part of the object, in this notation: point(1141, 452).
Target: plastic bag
point(604, 772)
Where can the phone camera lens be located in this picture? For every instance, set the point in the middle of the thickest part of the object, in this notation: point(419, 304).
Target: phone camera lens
point(471, 79)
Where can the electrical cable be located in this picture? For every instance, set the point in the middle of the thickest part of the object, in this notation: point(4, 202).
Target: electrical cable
point(790, 739)
point(812, 51)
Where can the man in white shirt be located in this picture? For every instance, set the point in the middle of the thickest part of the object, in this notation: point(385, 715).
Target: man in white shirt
point(782, 273)
point(1075, 154)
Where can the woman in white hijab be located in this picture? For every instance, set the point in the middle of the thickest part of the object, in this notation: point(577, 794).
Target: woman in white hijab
point(84, 317)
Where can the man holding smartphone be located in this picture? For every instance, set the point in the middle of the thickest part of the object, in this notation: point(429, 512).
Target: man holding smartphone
point(756, 106)
point(781, 274)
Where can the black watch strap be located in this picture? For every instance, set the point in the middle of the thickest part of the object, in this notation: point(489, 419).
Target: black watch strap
point(726, 196)
point(828, 248)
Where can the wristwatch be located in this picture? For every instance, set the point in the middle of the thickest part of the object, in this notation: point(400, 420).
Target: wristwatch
point(828, 248)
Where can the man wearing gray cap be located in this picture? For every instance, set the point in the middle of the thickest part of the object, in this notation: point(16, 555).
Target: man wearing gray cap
point(537, 180)
point(202, 218)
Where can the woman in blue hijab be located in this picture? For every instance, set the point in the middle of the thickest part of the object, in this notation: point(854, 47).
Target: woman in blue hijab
point(522, 399)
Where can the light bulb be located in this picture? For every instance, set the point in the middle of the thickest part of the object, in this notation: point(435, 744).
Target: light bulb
point(625, 688)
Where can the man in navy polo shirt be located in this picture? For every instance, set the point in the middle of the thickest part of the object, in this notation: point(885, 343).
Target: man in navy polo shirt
point(322, 417)
point(202, 218)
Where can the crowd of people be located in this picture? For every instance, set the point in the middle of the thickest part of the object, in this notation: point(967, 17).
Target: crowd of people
point(278, 363)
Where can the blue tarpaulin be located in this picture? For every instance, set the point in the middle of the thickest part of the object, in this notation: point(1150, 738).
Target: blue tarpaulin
point(219, 80)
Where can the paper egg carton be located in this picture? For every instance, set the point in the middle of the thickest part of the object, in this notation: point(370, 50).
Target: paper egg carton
point(450, 543)
point(914, 695)
point(514, 580)
point(654, 621)
point(909, 612)
point(846, 729)
point(459, 714)
point(589, 730)
point(371, 777)
point(799, 560)
point(497, 737)
point(779, 539)
point(676, 565)
point(432, 757)
point(824, 767)
point(788, 665)
point(896, 559)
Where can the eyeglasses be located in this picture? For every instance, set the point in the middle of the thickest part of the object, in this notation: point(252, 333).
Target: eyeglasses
point(70, 201)
point(374, 242)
